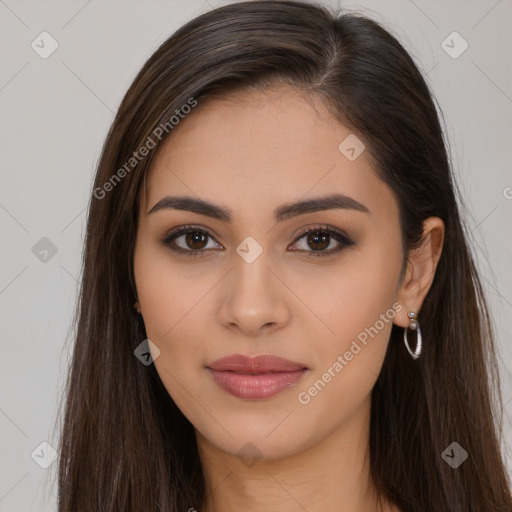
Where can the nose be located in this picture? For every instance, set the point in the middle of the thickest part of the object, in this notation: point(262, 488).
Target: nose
point(254, 300)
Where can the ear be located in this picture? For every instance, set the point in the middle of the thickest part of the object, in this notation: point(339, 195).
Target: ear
point(421, 268)
point(136, 305)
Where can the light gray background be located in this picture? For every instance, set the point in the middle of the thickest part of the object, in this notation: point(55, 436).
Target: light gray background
point(55, 113)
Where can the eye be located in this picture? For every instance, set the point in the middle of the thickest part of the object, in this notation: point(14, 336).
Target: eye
point(194, 240)
point(321, 238)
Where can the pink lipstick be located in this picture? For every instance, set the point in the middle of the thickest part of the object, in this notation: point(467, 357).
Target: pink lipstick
point(255, 377)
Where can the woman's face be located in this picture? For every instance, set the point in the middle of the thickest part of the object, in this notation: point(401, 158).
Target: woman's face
point(259, 285)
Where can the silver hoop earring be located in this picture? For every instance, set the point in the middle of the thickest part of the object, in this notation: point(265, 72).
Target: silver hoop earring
point(414, 326)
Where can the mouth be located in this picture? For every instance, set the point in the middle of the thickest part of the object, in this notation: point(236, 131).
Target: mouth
point(255, 377)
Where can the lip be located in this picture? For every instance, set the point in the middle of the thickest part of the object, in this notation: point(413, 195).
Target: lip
point(255, 377)
point(255, 364)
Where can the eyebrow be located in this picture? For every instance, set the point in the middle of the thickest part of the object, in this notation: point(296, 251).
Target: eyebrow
point(281, 213)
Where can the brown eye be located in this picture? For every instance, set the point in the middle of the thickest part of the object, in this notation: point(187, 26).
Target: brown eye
point(317, 240)
point(189, 240)
point(196, 240)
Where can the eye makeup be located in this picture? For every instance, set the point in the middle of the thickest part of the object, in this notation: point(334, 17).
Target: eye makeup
point(319, 235)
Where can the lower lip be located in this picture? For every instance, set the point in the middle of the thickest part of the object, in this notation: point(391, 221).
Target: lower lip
point(261, 385)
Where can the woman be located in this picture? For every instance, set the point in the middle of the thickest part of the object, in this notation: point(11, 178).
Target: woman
point(279, 309)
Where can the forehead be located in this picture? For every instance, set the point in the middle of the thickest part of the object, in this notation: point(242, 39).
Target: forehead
point(251, 148)
point(279, 118)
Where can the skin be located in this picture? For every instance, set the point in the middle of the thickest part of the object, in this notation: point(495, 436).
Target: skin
point(252, 152)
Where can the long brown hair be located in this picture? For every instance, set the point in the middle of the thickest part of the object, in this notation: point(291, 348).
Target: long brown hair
point(125, 445)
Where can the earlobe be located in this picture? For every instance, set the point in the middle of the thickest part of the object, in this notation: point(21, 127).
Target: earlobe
point(421, 268)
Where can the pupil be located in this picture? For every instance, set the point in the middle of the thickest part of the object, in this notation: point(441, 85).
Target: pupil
point(318, 239)
point(193, 238)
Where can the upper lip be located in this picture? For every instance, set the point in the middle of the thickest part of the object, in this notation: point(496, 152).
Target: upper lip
point(256, 364)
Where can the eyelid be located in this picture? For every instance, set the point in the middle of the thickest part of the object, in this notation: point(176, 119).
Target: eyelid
point(183, 230)
point(320, 227)
point(339, 235)
point(345, 240)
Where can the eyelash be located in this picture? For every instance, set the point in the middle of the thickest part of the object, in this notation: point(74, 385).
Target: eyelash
point(342, 239)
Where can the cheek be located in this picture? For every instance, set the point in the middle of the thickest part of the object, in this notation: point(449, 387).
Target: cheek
point(353, 296)
point(169, 299)
point(174, 314)
point(356, 307)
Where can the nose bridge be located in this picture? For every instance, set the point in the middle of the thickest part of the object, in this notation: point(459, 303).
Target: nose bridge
point(252, 296)
point(251, 276)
